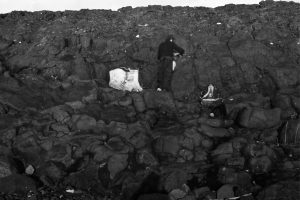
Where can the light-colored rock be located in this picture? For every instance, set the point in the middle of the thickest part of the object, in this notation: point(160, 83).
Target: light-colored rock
point(116, 164)
point(226, 191)
point(84, 122)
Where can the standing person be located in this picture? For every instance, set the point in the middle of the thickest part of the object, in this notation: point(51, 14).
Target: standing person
point(165, 55)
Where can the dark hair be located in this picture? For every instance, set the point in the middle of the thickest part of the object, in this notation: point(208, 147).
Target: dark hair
point(170, 37)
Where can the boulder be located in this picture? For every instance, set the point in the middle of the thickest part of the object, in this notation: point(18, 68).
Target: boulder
point(117, 163)
point(19, 62)
point(27, 147)
point(226, 191)
point(269, 136)
point(146, 157)
point(159, 100)
point(285, 77)
point(222, 153)
point(296, 103)
point(4, 43)
point(2, 69)
point(178, 194)
point(16, 183)
point(118, 114)
point(261, 164)
point(125, 101)
point(214, 122)
point(236, 162)
point(59, 114)
point(214, 132)
point(139, 140)
point(234, 177)
point(256, 150)
point(167, 145)
point(117, 144)
point(101, 153)
point(117, 128)
point(175, 179)
point(60, 128)
point(7, 137)
point(284, 102)
point(224, 148)
point(186, 155)
point(108, 95)
point(138, 102)
point(50, 173)
point(60, 152)
point(200, 155)
point(192, 138)
point(290, 133)
point(259, 118)
point(84, 179)
point(5, 167)
point(83, 122)
point(285, 190)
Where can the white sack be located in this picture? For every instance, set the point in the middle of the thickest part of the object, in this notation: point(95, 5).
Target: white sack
point(174, 65)
point(123, 80)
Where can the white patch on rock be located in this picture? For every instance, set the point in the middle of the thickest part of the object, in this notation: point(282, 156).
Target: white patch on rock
point(29, 170)
point(125, 80)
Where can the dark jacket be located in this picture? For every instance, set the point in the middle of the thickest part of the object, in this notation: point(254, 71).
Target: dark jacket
point(167, 48)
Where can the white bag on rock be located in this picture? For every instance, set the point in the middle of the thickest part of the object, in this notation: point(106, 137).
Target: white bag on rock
point(173, 65)
point(125, 80)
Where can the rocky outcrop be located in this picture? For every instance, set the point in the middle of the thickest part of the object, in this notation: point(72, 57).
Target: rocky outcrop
point(65, 134)
point(237, 48)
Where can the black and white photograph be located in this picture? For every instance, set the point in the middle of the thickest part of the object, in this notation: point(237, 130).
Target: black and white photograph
point(149, 100)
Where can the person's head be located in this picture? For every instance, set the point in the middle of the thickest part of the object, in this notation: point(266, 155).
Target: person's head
point(170, 38)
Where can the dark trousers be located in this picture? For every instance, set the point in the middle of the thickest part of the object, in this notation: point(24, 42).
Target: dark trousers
point(165, 72)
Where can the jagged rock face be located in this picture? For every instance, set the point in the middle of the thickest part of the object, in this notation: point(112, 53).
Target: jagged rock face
point(237, 48)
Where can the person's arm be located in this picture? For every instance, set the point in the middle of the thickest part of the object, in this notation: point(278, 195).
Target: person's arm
point(178, 49)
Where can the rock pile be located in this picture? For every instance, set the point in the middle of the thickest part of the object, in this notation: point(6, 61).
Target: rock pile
point(64, 134)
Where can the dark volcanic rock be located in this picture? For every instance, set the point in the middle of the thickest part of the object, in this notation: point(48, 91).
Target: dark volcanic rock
point(16, 183)
point(248, 48)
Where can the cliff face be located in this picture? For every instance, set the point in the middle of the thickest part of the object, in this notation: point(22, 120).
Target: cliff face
point(236, 47)
point(64, 134)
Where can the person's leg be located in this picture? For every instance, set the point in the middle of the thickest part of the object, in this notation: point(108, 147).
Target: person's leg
point(160, 75)
point(167, 75)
